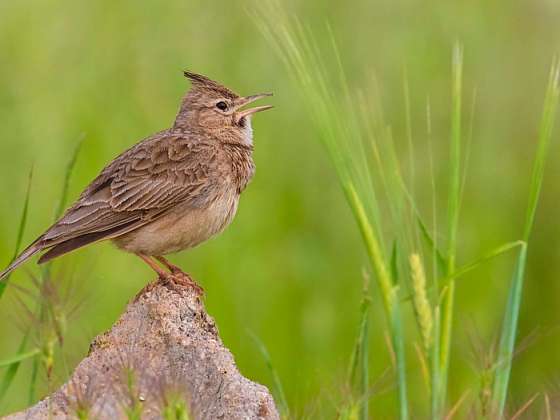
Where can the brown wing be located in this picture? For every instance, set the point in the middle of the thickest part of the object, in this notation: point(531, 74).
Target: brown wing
point(139, 186)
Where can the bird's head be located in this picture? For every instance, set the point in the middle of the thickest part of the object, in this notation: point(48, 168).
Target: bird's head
point(214, 108)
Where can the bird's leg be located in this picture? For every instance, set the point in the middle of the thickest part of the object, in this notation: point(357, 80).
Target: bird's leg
point(180, 274)
point(161, 272)
point(171, 267)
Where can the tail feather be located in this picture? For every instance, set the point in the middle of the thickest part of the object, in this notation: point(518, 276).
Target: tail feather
point(63, 247)
point(21, 258)
point(71, 244)
point(83, 240)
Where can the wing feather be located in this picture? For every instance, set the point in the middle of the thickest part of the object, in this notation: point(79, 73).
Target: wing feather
point(139, 186)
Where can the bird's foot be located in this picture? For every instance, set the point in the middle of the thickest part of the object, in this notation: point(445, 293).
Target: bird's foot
point(173, 279)
point(171, 267)
point(179, 279)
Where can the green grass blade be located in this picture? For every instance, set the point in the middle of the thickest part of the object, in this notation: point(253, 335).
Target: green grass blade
point(509, 327)
point(485, 258)
point(545, 135)
point(21, 229)
point(10, 374)
point(452, 224)
point(276, 383)
point(395, 263)
point(435, 366)
point(364, 314)
point(397, 338)
point(398, 345)
point(467, 268)
point(373, 248)
point(361, 355)
point(364, 363)
point(440, 259)
point(455, 160)
point(507, 339)
point(67, 176)
point(23, 218)
point(33, 381)
point(18, 358)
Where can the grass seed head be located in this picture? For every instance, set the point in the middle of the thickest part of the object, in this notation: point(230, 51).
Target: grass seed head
point(422, 308)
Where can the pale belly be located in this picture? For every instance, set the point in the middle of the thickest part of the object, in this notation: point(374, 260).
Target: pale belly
point(181, 229)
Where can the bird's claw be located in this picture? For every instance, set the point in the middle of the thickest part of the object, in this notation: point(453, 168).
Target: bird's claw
point(178, 278)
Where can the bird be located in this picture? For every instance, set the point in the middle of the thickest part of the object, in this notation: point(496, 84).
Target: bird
point(169, 192)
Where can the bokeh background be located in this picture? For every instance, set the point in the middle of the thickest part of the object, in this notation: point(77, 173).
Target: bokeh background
point(289, 269)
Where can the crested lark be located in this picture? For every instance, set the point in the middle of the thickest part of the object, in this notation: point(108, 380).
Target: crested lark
point(170, 192)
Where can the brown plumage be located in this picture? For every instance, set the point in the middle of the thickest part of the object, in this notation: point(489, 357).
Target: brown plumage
point(172, 191)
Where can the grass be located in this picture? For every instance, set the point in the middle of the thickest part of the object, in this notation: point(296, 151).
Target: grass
point(14, 363)
point(278, 389)
point(454, 198)
point(320, 77)
point(21, 230)
point(47, 314)
point(358, 376)
point(388, 164)
point(341, 134)
point(511, 316)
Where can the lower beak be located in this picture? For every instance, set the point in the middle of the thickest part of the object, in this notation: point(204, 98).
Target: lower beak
point(241, 102)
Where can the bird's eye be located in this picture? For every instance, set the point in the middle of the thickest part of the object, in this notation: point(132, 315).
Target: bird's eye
point(222, 106)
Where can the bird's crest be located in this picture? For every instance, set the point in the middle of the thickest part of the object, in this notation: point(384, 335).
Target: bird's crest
point(209, 84)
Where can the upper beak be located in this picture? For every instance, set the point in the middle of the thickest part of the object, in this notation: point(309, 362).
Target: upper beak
point(241, 102)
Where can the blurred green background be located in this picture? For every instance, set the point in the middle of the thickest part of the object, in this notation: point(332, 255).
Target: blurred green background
point(289, 269)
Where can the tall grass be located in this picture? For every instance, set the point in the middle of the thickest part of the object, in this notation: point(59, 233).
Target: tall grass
point(20, 231)
point(14, 363)
point(360, 145)
point(358, 376)
point(45, 312)
point(452, 224)
point(341, 133)
point(278, 390)
point(509, 328)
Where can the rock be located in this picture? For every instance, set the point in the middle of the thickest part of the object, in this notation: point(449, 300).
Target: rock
point(165, 349)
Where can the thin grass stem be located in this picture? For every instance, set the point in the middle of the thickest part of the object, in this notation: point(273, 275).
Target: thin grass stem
point(509, 328)
point(452, 224)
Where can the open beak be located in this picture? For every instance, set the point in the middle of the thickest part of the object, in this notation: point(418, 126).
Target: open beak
point(241, 102)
